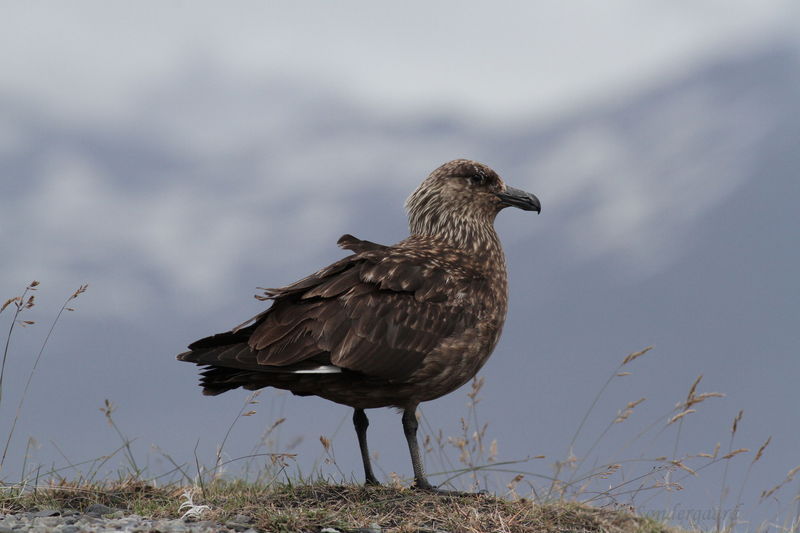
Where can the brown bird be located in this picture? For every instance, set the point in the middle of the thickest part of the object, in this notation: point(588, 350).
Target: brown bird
point(387, 326)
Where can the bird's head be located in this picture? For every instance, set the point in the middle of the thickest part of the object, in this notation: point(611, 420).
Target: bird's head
point(462, 193)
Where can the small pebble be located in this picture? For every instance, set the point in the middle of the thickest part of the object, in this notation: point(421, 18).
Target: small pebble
point(54, 521)
point(47, 512)
point(100, 509)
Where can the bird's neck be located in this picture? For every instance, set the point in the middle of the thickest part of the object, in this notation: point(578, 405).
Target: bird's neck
point(480, 241)
point(471, 235)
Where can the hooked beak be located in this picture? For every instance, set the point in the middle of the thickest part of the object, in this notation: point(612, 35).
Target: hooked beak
point(518, 198)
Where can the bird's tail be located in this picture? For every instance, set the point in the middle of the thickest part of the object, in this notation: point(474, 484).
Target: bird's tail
point(216, 380)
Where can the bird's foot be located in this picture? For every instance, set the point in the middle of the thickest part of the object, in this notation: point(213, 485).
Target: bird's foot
point(425, 486)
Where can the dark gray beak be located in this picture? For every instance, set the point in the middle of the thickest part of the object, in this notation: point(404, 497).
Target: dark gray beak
point(521, 199)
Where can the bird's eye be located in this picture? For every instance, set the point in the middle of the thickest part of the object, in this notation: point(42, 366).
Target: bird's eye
point(476, 179)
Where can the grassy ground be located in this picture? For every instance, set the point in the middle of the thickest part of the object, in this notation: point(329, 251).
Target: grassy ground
point(287, 508)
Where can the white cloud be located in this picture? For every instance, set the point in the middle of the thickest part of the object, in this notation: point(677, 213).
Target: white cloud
point(498, 60)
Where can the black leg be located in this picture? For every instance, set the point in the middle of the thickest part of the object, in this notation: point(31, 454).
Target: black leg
point(410, 425)
point(361, 423)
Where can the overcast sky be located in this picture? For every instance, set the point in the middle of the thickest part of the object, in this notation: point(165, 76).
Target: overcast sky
point(175, 155)
point(495, 60)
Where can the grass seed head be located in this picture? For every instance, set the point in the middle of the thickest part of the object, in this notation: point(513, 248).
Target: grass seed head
point(683, 467)
point(703, 397)
point(635, 355)
point(9, 302)
point(736, 421)
point(693, 388)
point(734, 453)
point(762, 448)
point(326, 442)
point(681, 415)
point(79, 291)
point(514, 482)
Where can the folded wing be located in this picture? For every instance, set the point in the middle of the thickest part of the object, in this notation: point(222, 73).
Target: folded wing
point(380, 311)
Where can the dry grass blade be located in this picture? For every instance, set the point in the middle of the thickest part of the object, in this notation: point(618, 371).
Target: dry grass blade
point(762, 448)
point(514, 481)
point(682, 466)
point(624, 414)
point(634, 403)
point(630, 357)
point(789, 478)
point(108, 409)
point(716, 450)
point(79, 291)
point(750, 467)
point(693, 388)
point(477, 385)
point(681, 415)
point(635, 355)
point(18, 304)
point(492, 457)
point(512, 486)
point(28, 305)
point(703, 397)
point(731, 453)
point(326, 442)
point(736, 421)
point(692, 398)
point(9, 302)
point(251, 400)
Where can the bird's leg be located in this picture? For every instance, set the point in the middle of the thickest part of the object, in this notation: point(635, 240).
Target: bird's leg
point(361, 423)
point(410, 425)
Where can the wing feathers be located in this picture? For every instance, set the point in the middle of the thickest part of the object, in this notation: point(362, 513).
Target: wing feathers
point(334, 286)
point(380, 311)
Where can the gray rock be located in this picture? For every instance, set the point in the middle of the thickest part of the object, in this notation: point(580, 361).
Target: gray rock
point(47, 512)
point(9, 522)
point(49, 521)
point(99, 509)
point(115, 520)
